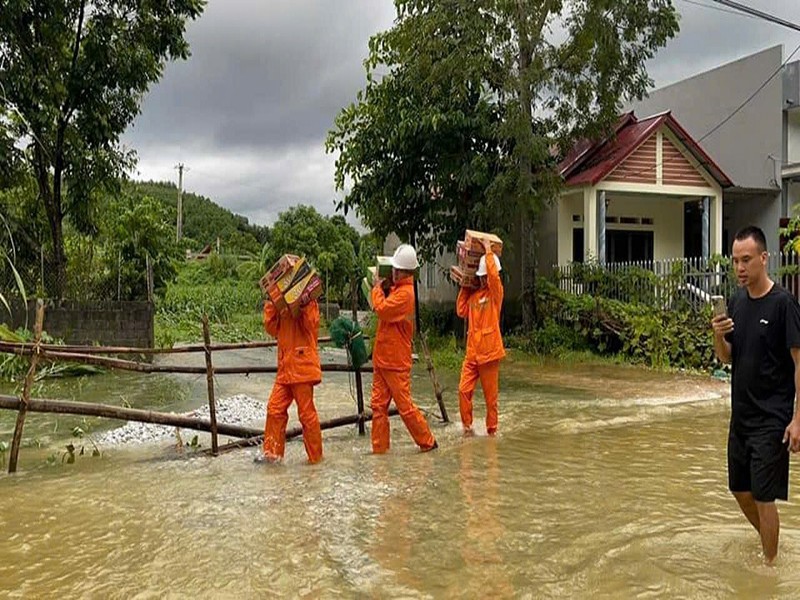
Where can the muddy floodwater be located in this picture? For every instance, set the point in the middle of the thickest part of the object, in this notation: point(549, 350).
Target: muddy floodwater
point(604, 482)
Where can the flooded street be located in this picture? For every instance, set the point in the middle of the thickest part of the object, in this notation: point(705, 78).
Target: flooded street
point(605, 482)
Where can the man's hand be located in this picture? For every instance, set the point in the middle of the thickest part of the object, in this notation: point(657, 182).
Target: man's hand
point(487, 246)
point(792, 435)
point(383, 283)
point(722, 326)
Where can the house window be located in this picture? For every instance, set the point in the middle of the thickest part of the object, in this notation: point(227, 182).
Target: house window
point(628, 246)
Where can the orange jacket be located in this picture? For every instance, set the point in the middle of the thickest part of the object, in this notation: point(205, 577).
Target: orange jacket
point(298, 358)
point(392, 349)
point(481, 308)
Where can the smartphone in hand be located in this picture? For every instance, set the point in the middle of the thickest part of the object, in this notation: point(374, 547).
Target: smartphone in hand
point(719, 306)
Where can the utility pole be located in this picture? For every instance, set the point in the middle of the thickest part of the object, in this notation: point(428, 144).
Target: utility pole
point(180, 201)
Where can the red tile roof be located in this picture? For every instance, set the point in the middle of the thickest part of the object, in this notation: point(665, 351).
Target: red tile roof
point(590, 162)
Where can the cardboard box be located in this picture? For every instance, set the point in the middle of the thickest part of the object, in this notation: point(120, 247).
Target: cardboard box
point(304, 291)
point(384, 266)
point(283, 265)
point(294, 287)
point(473, 240)
point(462, 279)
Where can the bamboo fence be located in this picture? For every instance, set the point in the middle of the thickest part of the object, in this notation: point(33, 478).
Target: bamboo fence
point(38, 351)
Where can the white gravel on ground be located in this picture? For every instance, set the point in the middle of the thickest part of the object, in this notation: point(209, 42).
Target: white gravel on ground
point(236, 410)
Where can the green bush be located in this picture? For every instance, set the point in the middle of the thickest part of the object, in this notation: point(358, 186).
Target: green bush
point(552, 338)
point(640, 333)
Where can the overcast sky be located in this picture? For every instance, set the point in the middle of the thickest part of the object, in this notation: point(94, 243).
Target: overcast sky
point(249, 111)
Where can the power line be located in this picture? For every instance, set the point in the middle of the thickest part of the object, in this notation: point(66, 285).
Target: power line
point(758, 13)
point(717, 8)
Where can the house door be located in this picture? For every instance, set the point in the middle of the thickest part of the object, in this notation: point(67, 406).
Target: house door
point(692, 230)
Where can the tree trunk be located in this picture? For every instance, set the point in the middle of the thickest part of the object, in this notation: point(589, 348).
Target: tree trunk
point(526, 121)
point(51, 198)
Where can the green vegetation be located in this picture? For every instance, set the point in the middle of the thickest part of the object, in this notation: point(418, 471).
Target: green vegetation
point(204, 222)
point(466, 100)
point(73, 76)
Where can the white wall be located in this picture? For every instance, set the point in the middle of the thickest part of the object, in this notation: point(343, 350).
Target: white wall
point(568, 205)
point(667, 215)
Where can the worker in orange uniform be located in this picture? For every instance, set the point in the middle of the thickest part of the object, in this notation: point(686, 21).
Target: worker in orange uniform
point(298, 372)
point(481, 308)
point(391, 355)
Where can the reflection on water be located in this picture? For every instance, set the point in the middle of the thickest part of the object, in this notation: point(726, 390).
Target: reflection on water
point(598, 486)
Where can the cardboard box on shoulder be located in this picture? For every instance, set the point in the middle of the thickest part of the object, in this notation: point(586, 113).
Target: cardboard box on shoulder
point(465, 280)
point(384, 266)
point(283, 265)
point(468, 260)
point(295, 287)
point(473, 240)
point(304, 291)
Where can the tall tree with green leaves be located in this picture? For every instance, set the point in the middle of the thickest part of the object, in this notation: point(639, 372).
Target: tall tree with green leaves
point(329, 243)
point(72, 77)
point(469, 104)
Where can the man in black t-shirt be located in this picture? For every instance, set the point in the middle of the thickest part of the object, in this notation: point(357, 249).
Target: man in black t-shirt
point(760, 337)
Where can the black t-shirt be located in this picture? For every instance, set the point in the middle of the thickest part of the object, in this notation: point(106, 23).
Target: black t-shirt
point(764, 331)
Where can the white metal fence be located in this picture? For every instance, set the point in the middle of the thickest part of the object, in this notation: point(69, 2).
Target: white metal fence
point(669, 283)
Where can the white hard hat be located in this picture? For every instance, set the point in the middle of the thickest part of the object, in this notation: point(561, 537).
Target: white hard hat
point(482, 265)
point(405, 258)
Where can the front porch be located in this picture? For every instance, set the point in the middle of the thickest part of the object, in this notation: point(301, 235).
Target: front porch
point(612, 223)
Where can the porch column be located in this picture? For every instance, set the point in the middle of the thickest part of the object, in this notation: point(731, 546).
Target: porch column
point(715, 227)
point(705, 229)
point(601, 226)
point(589, 224)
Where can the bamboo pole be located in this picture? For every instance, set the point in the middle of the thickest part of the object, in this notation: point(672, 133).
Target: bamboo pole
point(129, 365)
point(437, 388)
point(362, 430)
point(88, 409)
point(13, 347)
point(298, 431)
point(24, 402)
point(212, 409)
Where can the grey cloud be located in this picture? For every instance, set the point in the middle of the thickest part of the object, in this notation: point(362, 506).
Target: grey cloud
point(263, 73)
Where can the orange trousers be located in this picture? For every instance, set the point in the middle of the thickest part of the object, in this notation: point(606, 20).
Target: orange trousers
point(278, 416)
point(489, 374)
point(388, 385)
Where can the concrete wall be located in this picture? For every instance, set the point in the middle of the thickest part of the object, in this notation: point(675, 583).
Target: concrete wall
point(742, 146)
point(742, 209)
point(105, 323)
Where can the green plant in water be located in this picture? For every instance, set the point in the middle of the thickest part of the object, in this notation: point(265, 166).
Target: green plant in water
point(81, 433)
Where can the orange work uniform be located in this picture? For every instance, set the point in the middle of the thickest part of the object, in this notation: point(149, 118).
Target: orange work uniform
point(298, 372)
point(481, 308)
point(391, 360)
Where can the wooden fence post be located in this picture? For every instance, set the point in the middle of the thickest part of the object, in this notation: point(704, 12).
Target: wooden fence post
point(26, 390)
point(212, 409)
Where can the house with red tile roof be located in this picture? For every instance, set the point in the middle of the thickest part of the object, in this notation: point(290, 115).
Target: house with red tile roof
point(647, 192)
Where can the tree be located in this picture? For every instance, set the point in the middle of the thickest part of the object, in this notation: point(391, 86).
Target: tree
point(72, 76)
point(478, 100)
point(329, 243)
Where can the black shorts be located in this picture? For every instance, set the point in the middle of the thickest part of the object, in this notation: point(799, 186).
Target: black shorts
point(758, 463)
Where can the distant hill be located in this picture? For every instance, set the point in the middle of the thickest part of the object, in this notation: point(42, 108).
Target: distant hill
point(203, 220)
